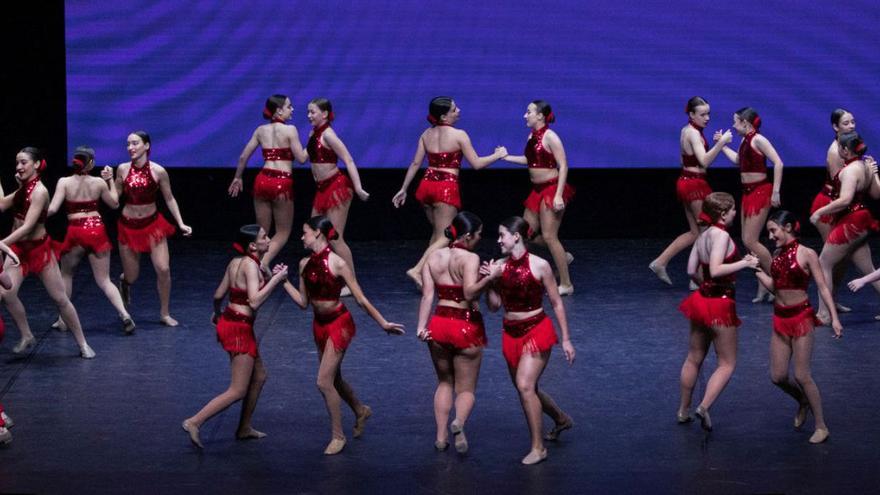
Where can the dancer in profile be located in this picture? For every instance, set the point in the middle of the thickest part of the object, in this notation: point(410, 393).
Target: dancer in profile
point(273, 187)
point(86, 235)
point(248, 285)
point(438, 192)
point(793, 318)
point(711, 309)
point(455, 333)
point(520, 281)
point(323, 274)
point(691, 187)
point(551, 193)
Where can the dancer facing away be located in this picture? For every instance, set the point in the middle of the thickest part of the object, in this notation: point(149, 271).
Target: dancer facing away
point(32, 245)
point(853, 221)
point(758, 193)
point(711, 309)
point(86, 235)
point(334, 188)
point(5, 283)
point(323, 274)
point(273, 187)
point(438, 190)
point(455, 333)
point(548, 171)
point(248, 285)
point(520, 281)
point(794, 319)
point(142, 229)
point(691, 187)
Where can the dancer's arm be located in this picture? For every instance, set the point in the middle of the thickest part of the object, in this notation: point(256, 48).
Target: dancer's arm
point(400, 197)
point(6, 201)
point(858, 283)
point(58, 198)
point(555, 146)
point(220, 294)
point(475, 281)
point(257, 295)
point(765, 279)
point(812, 263)
point(476, 161)
point(491, 270)
point(717, 266)
point(296, 146)
point(426, 301)
point(341, 267)
point(707, 157)
point(9, 254)
point(165, 187)
point(39, 198)
point(341, 151)
point(518, 159)
point(729, 153)
point(693, 265)
point(301, 296)
point(848, 183)
point(109, 194)
point(236, 185)
point(874, 191)
point(765, 147)
point(549, 281)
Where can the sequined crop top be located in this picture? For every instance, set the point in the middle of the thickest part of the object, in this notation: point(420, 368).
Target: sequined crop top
point(320, 282)
point(691, 160)
point(277, 154)
point(139, 187)
point(787, 273)
point(858, 200)
point(240, 296)
point(447, 159)
point(719, 286)
point(318, 152)
point(21, 202)
point(750, 159)
point(80, 206)
point(450, 292)
point(519, 289)
point(537, 155)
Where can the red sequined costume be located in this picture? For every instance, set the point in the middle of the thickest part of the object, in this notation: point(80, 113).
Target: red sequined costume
point(714, 303)
point(336, 325)
point(798, 319)
point(86, 232)
point(235, 330)
point(272, 184)
point(756, 195)
point(35, 254)
point(141, 234)
point(460, 328)
point(521, 292)
point(823, 198)
point(855, 220)
point(538, 156)
point(439, 186)
point(692, 186)
point(334, 190)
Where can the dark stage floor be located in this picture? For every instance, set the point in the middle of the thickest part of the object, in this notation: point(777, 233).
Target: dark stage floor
point(112, 425)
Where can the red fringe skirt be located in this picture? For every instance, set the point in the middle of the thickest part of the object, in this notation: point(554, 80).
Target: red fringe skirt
point(692, 186)
point(438, 186)
point(235, 332)
point(332, 192)
point(544, 193)
point(851, 226)
point(88, 233)
point(35, 255)
point(337, 326)
point(141, 234)
point(822, 199)
point(756, 197)
point(457, 327)
point(710, 311)
point(272, 184)
point(796, 320)
point(532, 335)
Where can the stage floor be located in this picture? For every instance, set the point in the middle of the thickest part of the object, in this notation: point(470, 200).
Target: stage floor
point(112, 425)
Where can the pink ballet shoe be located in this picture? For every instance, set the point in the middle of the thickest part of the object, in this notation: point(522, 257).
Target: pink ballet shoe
point(535, 457)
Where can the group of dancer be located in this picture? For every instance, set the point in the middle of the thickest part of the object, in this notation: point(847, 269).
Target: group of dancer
point(839, 213)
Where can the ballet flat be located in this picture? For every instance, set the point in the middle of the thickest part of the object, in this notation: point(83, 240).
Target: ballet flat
point(820, 435)
point(801, 417)
point(24, 345)
point(660, 271)
point(86, 352)
point(535, 457)
point(361, 421)
point(705, 419)
point(557, 430)
point(461, 443)
point(9, 423)
point(566, 290)
point(5, 436)
point(335, 446)
point(683, 418)
point(441, 446)
point(193, 431)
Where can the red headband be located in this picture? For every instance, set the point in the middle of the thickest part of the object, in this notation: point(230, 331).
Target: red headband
point(756, 122)
point(860, 147)
point(704, 218)
point(78, 164)
point(530, 233)
point(41, 166)
point(267, 114)
point(550, 118)
point(453, 232)
point(238, 248)
point(331, 234)
point(330, 116)
point(796, 227)
point(433, 120)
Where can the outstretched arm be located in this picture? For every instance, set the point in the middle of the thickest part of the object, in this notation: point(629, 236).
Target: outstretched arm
point(300, 297)
point(109, 194)
point(476, 161)
point(400, 197)
point(57, 198)
point(344, 271)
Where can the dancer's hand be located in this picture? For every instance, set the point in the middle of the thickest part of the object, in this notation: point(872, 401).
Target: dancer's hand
point(774, 200)
point(491, 269)
point(393, 328)
point(568, 350)
point(279, 271)
point(871, 163)
point(186, 230)
point(364, 195)
point(501, 151)
point(235, 187)
point(814, 219)
point(107, 173)
point(751, 261)
point(215, 317)
point(399, 199)
point(558, 203)
point(837, 328)
point(856, 285)
point(424, 335)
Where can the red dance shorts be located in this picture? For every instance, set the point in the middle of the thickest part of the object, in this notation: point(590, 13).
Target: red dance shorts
point(336, 326)
point(235, 332)
point(851, 226)
point(438, 186)
point(88, 233)
point(457, 327)
point(544, 193)
point(756, 197)
point(796, 320)
point(35, 255)
point(141, 234)
point(532, 335)
point(272, 184)
point(822, 199)
point(691, 186)
point(332, 192)
point(710, 312)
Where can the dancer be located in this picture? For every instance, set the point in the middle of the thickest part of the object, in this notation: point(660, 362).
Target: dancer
point(273, 187)
point(142, 229)
point(691, 188)
point(712, 308)
point(520, 281)
point(853, 221)
point(86, 235)
point(438, 191)
point(6, 283)
point(248, 286)
point(548, 171)
point(322, 276)
point(793, 318)
point(455, 333)
point(33, 247)
point(758, 193)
